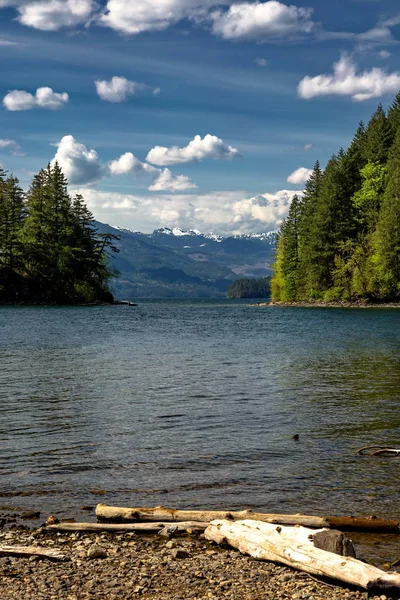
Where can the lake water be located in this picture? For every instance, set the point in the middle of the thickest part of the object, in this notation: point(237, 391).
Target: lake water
point(194, 404)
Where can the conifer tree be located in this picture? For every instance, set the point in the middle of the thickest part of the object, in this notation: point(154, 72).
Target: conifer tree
point(388, 230)
point(378, 137)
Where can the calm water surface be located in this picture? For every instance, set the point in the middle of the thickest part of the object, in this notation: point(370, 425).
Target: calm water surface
point(194, 404)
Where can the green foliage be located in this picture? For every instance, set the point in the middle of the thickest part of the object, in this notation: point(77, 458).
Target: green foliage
point(49, 250)
point(250, 288)
point(341, 241)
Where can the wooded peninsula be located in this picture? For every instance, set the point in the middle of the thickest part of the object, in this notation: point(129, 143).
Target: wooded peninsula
point(341, 239)
point(50, 251)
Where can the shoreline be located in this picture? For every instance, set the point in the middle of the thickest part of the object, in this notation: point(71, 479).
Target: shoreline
point(122, 566)
point(328, 304)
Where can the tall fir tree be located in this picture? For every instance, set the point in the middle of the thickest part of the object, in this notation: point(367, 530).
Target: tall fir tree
point(387, 238)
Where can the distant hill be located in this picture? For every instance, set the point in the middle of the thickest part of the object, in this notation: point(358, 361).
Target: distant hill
point(172, 263)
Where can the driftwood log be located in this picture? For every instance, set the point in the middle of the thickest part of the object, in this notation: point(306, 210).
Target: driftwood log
point(117, 514)
point(32, 551)
point(294, 547)
point(375, 450)
point(132, 527)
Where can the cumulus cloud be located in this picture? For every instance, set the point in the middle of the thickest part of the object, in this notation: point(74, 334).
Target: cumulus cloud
point(384, 54)
point(198, 149)
point(151, 15)
point(12, 146)
point(128, 163)
point(345, 81)
point(308, 147)
point(51, 15)
point(299, 176)
point(119, 89)
point(83, 166)
point(162, 179)
point(223, 212)
point(168, 181)
point(79, 164)
point(261, 21)
point(44, 98)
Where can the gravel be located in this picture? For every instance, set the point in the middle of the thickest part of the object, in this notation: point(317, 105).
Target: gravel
point(127, 566)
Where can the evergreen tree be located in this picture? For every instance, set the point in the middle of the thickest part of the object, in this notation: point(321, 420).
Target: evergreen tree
point(387, 237)
point(378, 137)
point(49, 244)
point(393, 115)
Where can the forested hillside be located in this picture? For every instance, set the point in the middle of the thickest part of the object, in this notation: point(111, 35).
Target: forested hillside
point(49, 249)
point(250, 288)
point(341, 239)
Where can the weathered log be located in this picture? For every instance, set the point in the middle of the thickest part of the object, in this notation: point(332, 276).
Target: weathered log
point(32, 551)
point(130, 527)
point(160, 513)
point(294, 547)
point(379, 450)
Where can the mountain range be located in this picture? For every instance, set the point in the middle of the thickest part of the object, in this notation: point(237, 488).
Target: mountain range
point(173, 263)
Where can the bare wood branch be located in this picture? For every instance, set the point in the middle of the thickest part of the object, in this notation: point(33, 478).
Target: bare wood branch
point(293, 546)
point(128, 527)
point(32, 551)
point(160, 513)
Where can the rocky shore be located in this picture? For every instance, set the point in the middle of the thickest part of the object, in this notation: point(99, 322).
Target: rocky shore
point(329, 304)
point(127, 566)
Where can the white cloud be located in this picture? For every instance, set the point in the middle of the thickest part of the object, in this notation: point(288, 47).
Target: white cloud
point(79, 164)
point(261, 62)
point(299, 176)
point(119, 89)
point(128, 163)
point(82, 166)
point(308, 147)
point(44, 98)
point(261, 21)
point(151, 15)
point(223, 212)
point(51, 15)
point(9, 43)
point(384, 54)
point(168, 181)
point(345, 81)
point(12, 146)
point(198, 149)
point(162, 179)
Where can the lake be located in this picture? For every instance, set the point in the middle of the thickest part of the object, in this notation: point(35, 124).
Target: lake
point(194, 404)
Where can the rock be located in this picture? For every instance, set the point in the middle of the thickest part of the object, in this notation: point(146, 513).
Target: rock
point(180, 553)
point(334, 541)
point(96, 552)
point(30, 514)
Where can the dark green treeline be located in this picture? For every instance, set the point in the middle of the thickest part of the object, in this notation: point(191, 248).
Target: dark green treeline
point(49, 250)
point(250, 288)
point(341, 239)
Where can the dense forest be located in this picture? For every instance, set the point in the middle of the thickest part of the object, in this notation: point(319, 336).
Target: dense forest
point(250, 288)
point(49, 249)
point(341, 239)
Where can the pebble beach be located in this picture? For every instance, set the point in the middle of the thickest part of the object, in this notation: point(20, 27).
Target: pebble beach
point(127, 566)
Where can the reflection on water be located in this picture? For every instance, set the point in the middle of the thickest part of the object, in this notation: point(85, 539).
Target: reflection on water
point(195, 404)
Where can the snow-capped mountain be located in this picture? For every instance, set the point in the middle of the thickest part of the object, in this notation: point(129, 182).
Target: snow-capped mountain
point(269, 236)
point(174, 262)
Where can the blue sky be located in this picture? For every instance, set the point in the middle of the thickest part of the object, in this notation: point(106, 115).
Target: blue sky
point(129, 84)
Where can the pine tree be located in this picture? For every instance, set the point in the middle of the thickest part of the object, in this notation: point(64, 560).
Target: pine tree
point(12, 214)
point(393, 115)
point(387, 237)
point(378, 138)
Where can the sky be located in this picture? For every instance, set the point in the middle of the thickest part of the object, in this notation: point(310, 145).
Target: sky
point(196, 114)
